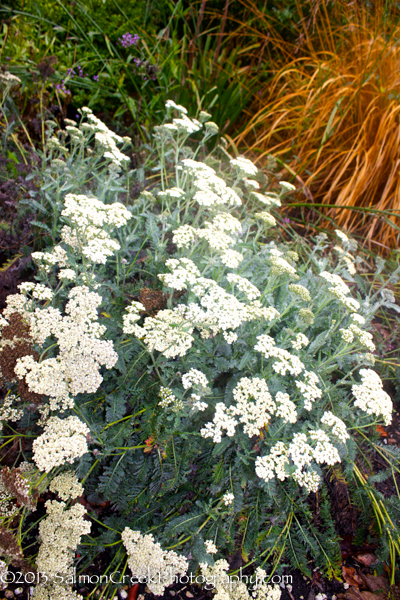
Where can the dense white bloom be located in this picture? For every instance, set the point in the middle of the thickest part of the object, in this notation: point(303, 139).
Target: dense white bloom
point(300, 451)
point(68, 274)
point(230, 337)
point(269, 199)
point(244, 285)
point(308, 479)
point(337, 425)
point(194, 378)
point(309, 389)
point(286, 361)
point(251, 184)
point(7, 412)
point(211, 548)
point(254, 404)
point(228, 498)
point(173, 192)
point(336, 280)
point(357, 318)
point(253, 407)
point(288, 187)
point(244, 166)
point(76, 369)
point(222, 421)
point(60, 533)
point(273, 464)
point(341, 235)
point(227, 589)
point(197, 404)
point(178, 107)
point(226, 222)
point(371, 397)
point(213, 190)
point(168, 332)
point(129, 320)
point(184, 236)
point(347, 335)
point(89, 216)
point(146, 557)
point(286, 408)
point(324, 451)
point(231, 258)
point(63, 440)
point(217, 240)
point(66, 485)
point(300, 341)
point(184, 272)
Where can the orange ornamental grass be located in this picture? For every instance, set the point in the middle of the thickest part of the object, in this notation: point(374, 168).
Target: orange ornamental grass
point(332, 114)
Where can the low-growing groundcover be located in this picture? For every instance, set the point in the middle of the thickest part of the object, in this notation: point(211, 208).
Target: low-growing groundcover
point(177, 366)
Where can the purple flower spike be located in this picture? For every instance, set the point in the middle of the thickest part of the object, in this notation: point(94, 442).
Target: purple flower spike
point(96, 77)
point(128, 40)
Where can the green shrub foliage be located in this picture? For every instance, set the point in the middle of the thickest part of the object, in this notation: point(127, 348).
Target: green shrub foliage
point(180, 367)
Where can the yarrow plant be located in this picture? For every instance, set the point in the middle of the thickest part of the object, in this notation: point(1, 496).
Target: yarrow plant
point(178, 362)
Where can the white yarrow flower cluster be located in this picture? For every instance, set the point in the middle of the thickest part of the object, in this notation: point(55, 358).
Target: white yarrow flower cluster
point(211, 189)
point(244, 166)
point(244, 285)
point(89, 217)
point(66, 485)
point(338, 427)
point(286, 362)
point(81, 353)
point(371, 397)
point(146, 557)
point(184, 272)
point(63, 440)
point(211, 548)
point(228, 498)
point(300, 341)
point(60, 534)
point(309, 389)
point(226, 588)
point(194, 378)
point(253, 407)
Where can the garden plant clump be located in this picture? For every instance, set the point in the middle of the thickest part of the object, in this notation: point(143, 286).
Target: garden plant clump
point(178, 366)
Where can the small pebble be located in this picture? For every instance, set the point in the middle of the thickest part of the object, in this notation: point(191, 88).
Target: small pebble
point(124, 594)
point(172, 593)
point(301, 597)
point(19, 591)
point(289, 587)
point(189, 595)
point(334, 597)
point(9, 594)
point(346, 586)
